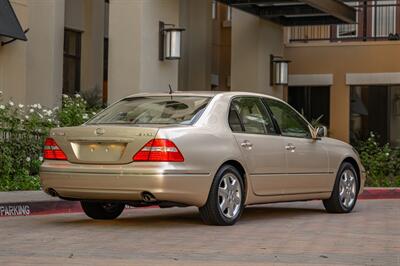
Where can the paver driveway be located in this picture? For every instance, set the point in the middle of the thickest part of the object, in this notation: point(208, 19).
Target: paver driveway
point(275, 234)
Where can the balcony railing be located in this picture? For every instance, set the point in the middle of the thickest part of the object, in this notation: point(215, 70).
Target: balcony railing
point(376, 20)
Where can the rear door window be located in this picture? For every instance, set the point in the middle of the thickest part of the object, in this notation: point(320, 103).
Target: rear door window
point(182, 110)
point(249, 115)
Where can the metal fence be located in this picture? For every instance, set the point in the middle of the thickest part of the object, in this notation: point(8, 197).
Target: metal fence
point(376, 20)
point(11, 134)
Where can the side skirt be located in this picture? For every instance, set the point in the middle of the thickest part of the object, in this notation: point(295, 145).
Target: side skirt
point(287, 198)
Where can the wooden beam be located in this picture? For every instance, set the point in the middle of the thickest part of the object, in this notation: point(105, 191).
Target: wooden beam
point(335, 8)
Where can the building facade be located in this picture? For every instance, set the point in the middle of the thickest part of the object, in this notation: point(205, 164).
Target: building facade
point(63, 52)
point(109, 49)
point(350, 73)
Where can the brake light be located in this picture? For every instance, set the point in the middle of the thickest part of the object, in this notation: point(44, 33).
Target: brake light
point(159, 150)
point(52, 151)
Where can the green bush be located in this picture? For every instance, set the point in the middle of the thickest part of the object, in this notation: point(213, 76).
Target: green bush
point(381, 162)
point(22, 133)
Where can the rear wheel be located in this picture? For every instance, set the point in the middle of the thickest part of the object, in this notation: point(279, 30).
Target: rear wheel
point(345, 192)
point(225, 202)
point(102, 210)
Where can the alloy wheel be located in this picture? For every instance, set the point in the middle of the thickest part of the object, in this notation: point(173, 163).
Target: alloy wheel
point(229, 196)
point(347, 189)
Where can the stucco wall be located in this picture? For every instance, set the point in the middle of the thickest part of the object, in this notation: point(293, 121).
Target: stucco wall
point(339, 59)
point(45, 52)
point(93, 45)
point(133, 47)
point(75, 14)
point(195, 65)
point(157, 75)
point(31, 72)
point(124, 48)
point(253, 41)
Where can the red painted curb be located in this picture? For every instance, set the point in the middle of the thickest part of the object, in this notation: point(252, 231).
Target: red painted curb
point(38, 208)
point(380, 193)
point(61, 206)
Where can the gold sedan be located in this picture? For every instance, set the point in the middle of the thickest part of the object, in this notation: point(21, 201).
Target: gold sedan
point(217, 151)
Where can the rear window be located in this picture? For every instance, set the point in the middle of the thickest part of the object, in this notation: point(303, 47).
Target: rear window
point(183, 110)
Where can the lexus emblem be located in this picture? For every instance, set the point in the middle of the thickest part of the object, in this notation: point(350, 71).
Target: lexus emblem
point(99, 131)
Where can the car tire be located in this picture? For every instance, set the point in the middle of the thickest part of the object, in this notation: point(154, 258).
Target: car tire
point(225, 201)
point(345, 191)
point(102, 210)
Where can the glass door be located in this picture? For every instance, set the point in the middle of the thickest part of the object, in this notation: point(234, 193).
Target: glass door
point(374, 109)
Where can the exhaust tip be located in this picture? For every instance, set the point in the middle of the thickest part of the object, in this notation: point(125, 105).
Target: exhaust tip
point(52, 192)
point(148, 197)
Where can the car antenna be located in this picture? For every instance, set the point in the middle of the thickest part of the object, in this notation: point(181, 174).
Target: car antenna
point(170, 90)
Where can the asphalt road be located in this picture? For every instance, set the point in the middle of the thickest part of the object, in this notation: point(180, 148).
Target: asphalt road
point(276, 234)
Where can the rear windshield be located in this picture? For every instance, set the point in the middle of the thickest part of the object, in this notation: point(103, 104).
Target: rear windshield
point(183, 110)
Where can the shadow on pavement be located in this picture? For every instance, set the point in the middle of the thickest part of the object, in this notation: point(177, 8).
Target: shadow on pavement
point(190, 216)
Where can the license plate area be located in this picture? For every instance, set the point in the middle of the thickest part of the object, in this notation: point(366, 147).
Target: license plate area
point(98, 151)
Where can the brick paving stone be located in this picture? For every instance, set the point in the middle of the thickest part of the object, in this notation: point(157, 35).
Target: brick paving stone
point(276, 234)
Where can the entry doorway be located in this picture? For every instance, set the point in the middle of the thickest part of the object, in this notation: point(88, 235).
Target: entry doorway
point(375, 109)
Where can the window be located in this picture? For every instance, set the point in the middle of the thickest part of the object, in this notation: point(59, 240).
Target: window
point(375, 109)
point(72, 62)
point(290, 123)
point(312, 102)
point(183, 110)
point(249, 115)
point(384, 18)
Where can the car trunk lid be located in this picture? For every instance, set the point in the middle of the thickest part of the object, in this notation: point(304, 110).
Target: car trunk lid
point(102, 144)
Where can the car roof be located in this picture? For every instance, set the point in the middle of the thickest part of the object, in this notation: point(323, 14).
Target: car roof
point(203, 94)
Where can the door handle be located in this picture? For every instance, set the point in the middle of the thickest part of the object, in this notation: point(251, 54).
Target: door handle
point(290, 147)
point(247, 145)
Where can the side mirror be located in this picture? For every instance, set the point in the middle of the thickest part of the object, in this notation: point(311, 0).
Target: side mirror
point(319, 132)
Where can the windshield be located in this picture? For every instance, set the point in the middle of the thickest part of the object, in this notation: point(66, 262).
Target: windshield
point(183, 110)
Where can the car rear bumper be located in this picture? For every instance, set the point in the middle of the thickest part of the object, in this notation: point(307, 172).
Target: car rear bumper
point(92, 182)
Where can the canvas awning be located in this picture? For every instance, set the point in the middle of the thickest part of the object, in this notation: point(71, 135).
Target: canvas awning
point(298, 12)
point(9, 24)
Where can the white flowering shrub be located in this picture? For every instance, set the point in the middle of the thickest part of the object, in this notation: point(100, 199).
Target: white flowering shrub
point(22, 133)
point(74, 111)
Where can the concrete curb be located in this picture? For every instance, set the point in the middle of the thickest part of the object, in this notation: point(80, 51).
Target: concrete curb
point(54, 206)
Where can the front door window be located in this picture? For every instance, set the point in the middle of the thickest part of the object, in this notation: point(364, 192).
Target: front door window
point(289, 121)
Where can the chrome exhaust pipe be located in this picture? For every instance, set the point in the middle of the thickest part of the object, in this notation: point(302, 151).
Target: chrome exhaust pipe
point(148, 197)
point(52, 192)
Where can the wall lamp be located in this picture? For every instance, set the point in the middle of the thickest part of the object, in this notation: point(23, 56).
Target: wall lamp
point(170, 42)
point(279, 70)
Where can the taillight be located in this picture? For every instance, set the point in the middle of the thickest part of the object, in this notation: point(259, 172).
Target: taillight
point(159, 150)
point(52, 151)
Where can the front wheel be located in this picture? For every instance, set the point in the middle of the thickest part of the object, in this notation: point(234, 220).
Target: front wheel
point(102, 210)
point(225, 202)
point(345, 192)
